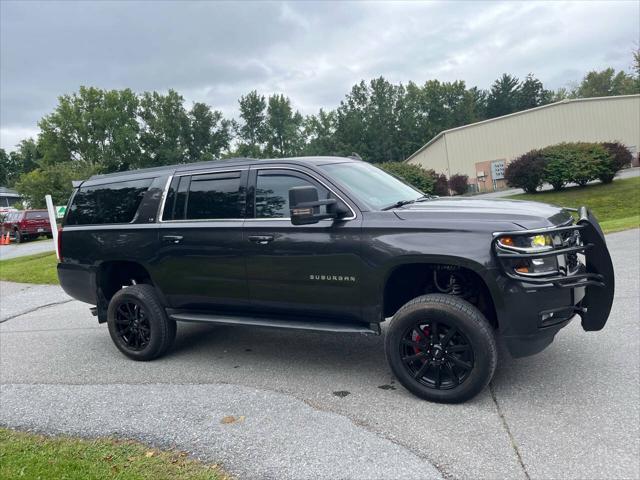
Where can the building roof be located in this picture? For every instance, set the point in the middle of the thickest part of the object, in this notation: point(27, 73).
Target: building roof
point(7, 192)
point(521, 112)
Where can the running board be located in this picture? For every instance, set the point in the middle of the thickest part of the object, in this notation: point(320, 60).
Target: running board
point(312, 325)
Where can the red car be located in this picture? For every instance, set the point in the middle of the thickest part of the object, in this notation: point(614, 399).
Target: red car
point(26, 224)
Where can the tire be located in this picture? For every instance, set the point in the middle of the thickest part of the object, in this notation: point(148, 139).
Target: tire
point(18, 237)
point(138, 324)
point(449, 365)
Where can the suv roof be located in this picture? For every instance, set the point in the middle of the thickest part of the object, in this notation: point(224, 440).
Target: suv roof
point(233, 162)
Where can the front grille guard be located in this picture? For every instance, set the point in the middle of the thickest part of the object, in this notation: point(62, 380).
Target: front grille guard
point(562, 280)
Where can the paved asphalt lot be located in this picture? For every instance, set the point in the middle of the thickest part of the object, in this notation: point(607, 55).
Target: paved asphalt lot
point(31, 247)
point(572, 411)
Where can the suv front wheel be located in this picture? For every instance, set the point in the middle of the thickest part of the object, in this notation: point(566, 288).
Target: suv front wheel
point(441, 348)
point(138, 324)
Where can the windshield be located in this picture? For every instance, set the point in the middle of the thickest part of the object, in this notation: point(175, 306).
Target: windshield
point(371, 185)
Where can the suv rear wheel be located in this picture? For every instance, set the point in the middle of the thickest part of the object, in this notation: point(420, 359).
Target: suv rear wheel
point(138, 324)
point(441, 348)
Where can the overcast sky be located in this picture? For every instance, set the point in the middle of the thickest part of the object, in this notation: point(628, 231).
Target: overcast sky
point(312, 52)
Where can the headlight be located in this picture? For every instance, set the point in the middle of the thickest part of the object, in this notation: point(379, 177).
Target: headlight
point(527, 244)
point(531, 244)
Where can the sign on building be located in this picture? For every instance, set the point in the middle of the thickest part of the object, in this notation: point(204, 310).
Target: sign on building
point(497, 170)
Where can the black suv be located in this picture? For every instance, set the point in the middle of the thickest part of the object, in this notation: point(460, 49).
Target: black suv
point(337, 245)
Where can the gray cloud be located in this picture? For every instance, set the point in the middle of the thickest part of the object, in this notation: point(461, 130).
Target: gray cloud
point(311, 51)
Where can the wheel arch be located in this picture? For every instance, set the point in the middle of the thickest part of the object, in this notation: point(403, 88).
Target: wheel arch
point(405, 279)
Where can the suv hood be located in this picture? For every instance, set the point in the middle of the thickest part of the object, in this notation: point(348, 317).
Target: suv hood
point(525, 214)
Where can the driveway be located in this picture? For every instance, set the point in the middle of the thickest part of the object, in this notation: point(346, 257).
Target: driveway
point(31, 247)
point(312, 405)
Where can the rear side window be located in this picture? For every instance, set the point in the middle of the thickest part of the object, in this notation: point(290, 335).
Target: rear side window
point(214, 196)
point(204, 197)
point(107, 203)
point(36, 215)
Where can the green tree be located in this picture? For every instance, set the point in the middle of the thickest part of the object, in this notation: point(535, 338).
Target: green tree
point(209, 133)
point(503, 97)
point(95, 126)
point(531, 93)
point(27, 155)
point(605, 83)
point(283, 128)
point(52, 179)
point(164, 135)
point(252, 129)
point(381, 120)
point(413, 121)
point(320, 134)
point(9, 169)
point(351, 121)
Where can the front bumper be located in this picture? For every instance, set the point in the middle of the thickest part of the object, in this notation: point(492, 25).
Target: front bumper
point(538, 307)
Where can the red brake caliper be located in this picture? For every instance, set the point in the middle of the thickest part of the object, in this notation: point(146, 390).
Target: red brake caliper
point(417, 338)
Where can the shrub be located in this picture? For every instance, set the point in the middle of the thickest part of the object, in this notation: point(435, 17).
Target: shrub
point(415, 175)
point(440, 184)
point(577, 162)
point(558, 164)
point(459, 183)
point(619, 157)
point(526, 171)
point(556, 172)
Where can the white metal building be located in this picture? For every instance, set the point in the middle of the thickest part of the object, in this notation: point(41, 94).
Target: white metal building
point(482, 150)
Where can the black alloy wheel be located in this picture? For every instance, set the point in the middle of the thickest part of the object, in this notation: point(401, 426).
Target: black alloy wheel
point(437, 355)
point(441, 348)
point(132, 325)
point(138, 323)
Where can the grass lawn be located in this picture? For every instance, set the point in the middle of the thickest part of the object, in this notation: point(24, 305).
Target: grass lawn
point(38, 268)
point(30, 456)
point(616, 205)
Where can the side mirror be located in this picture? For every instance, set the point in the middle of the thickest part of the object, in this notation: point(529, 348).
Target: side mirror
point(305, 206)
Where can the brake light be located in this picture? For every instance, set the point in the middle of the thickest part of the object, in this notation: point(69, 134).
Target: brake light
point(59, 244)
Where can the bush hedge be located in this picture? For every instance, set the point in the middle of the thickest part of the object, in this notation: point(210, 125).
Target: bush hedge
point(459, 183)
point(578, 162)
point(415, 175)
point(425, 180)
point(441, 184)
point(526, 171)
point(619, 157)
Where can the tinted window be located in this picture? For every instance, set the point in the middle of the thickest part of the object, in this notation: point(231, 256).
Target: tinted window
point(176, 199)
point(108, 203)
point(36, 215)
point(272, 193)
point(213, 196)
point(167, 210)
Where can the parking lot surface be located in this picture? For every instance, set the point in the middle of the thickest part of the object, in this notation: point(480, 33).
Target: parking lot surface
point(31, 247)
point(313, 405)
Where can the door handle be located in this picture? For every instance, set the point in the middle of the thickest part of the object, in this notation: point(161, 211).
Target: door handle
point(261, 239)
point(172, 238)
